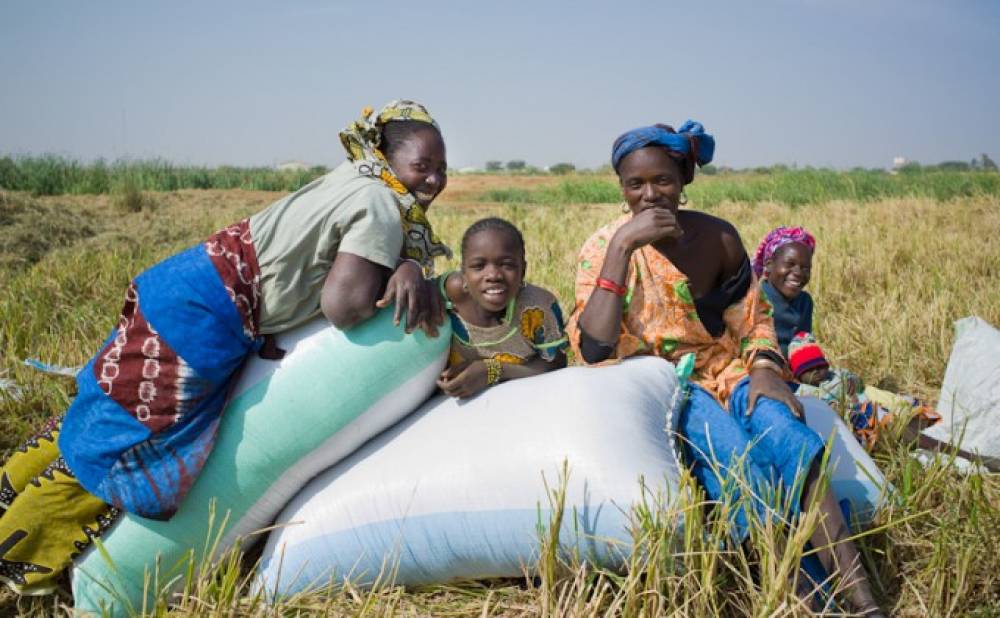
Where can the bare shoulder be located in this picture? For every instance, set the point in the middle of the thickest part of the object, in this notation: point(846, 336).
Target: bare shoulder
point(705, 223)
point(453, 286)
point(712, 231)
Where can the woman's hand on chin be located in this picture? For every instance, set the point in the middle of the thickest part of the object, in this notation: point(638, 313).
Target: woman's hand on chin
point(766, 382)
point(649, 226)
point(415, 296)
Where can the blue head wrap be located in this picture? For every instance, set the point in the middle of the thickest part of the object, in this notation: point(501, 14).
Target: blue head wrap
point(691, 142)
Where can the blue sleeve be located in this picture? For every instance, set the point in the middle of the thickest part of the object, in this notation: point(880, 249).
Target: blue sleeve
point(807, 313)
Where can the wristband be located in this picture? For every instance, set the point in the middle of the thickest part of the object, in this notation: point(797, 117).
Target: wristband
point(611, 286)
point(494, 369)
point(442, 280)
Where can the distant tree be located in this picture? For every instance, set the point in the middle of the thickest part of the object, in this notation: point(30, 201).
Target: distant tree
point(494, 166)
point(986, 163)
point(516, 165)
point(953, 166)
point(561, 169)
point(910, 167)
point(709, 169)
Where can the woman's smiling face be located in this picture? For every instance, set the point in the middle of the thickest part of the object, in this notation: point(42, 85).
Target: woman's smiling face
point(650, 178)
point(789, 269)
point(421, 165)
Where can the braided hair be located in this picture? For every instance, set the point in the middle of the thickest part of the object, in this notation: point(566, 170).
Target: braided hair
point(494, 224)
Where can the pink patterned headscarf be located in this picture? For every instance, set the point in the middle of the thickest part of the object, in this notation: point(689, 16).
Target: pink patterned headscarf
point(776, 239)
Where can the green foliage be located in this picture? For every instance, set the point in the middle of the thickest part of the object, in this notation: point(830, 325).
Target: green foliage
point(52, 175)
point(494, 166)
point(510, 195)
point(581, 191)
point(561, 169)
point(785, 186)
point(953, 166)
point(127, 197)
point(516, 165)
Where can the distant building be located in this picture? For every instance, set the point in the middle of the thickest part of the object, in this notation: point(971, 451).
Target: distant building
point(898, 163)
point(293, 166)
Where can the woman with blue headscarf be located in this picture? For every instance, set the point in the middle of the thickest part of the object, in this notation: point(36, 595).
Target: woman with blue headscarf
point(677, 283)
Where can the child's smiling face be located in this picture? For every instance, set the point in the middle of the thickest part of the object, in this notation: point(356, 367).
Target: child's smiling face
point(789, 269)
point(493, 267)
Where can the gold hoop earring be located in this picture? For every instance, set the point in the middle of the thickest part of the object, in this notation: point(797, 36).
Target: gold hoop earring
point(625, 208)
point(683, 199)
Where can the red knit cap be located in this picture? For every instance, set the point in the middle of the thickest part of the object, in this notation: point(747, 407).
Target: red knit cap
point(805, 354)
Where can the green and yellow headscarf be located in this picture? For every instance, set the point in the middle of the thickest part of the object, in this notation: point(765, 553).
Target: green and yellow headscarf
point(361, 140)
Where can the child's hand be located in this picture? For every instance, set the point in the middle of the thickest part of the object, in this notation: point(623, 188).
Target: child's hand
point(463, 380)
point(813, 377)
point(418, 297)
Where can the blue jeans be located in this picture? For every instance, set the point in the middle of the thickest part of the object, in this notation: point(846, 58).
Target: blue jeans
point(769, 452)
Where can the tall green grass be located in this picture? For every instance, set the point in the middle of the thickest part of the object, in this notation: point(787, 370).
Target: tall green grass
point(791, 187)
point(53, 175)
point(578, 190)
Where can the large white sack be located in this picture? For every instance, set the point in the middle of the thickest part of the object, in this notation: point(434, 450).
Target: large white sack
point(855, 480)
point(455, 491)
point(970, 395)
point(285, 422)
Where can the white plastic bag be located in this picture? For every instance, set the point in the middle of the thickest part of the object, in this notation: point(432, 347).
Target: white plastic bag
point(970, 394)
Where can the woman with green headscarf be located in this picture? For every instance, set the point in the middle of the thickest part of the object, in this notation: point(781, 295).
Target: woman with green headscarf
point(149, 402)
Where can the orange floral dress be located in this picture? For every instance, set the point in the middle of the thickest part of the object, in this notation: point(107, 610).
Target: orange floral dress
point(659, 317)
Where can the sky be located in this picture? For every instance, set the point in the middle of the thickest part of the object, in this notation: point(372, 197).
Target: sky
point(807, 83)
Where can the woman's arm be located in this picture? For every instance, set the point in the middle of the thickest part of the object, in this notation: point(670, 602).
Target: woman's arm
point(352, 293)
point(755, 328)
point(415, 297)
point(602, 316)
point(350, 290)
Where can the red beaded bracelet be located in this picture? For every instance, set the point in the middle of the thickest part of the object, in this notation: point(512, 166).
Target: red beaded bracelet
point(611, 286)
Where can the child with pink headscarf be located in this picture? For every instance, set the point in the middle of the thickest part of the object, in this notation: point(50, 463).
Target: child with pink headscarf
point(783, 263)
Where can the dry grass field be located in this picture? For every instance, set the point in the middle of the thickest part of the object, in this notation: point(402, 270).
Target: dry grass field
point(890, 277)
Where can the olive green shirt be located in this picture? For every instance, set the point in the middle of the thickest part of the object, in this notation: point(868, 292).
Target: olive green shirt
point(298, 237)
